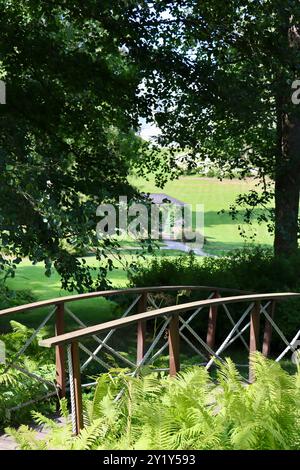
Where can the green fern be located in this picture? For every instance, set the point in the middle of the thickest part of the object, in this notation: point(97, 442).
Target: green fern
point(189, 411)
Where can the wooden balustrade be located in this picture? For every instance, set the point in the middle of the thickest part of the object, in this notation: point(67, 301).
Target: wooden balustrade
point(173, 325)
point(141, 328)
point(59, 304)
point(60, 351)
point(172, 313)
point(212, 322)
point(268, 332)
point(112, 293)
point(254, 334)
point(174, 345)
point(152, 314)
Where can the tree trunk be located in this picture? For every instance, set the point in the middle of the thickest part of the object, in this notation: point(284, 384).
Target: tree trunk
point(287, 167)
point(287, 185)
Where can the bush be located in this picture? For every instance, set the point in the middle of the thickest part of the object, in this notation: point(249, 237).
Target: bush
point(188, 412)
point(10, 298)
point(16, 387)
point(254, 270)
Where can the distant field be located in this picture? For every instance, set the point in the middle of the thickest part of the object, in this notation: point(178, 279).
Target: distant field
point(33, 278)
point(92, 311)
point(221, 231)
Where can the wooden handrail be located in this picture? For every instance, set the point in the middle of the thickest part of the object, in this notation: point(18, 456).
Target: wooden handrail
point(140, 293)
point(172, 310)
point(108, 293)
point(71, 340)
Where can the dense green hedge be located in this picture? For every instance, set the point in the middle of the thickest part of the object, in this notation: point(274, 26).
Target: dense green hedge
point(254, 270)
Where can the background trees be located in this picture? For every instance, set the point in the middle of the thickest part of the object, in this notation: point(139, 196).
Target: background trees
point(66, 138)
point(219, 76)
point(216, 75)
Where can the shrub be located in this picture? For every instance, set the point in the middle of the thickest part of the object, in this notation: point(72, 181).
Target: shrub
point(10, 298)
point(16, 387)
point(254, 270)
point(187, 412)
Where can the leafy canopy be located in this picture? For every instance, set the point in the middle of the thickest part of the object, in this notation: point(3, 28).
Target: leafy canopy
point(67, 130)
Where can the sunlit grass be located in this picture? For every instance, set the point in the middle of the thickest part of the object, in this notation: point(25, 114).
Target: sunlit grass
point(221, 232)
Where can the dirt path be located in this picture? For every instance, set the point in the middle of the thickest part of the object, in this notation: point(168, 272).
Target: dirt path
point(7, 443)
point(180, 246)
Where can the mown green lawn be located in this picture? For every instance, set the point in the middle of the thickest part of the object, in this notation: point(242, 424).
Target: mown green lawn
point(33, 278)
point(92, 311)
point(221, 232)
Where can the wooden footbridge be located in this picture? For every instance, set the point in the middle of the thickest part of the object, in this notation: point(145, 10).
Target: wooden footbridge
point(173, 328)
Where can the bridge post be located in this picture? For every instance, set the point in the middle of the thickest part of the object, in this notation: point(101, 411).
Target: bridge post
point(212, 323)
point(254, 335)
point(141, 328)
point(174, 344)
point(75, 387)
point(268, 332)
point(60, 351)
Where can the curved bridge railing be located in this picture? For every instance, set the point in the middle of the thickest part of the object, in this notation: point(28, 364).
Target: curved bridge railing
point(176, 320)
point(140, 300)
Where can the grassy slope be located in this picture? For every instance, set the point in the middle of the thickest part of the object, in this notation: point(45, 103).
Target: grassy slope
point(33, 278)
point(221, 231)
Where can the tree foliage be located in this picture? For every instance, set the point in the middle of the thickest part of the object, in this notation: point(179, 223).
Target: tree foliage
point(219, 76)
point(67, 129)
point(215, 75)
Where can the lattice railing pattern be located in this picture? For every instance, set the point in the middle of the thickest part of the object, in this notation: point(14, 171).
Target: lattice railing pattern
point(178, 326)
